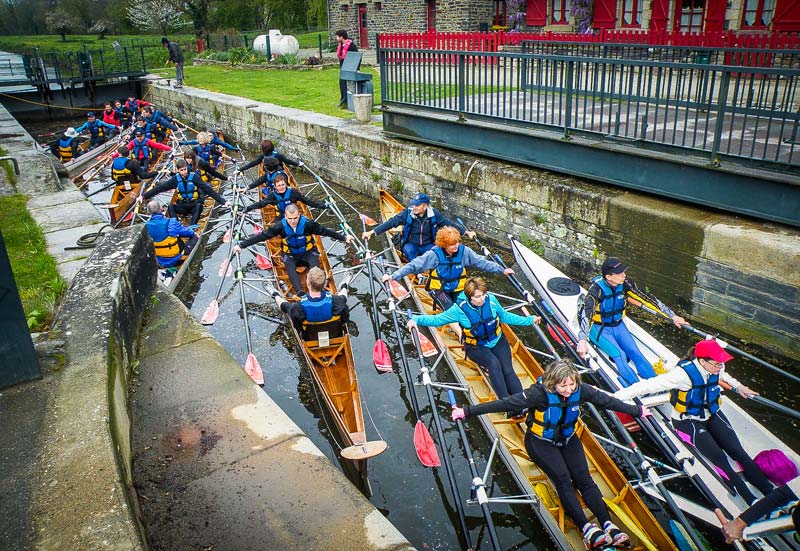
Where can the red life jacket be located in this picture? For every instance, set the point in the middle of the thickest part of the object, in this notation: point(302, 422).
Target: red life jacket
point(111, 118)
point(341, 49)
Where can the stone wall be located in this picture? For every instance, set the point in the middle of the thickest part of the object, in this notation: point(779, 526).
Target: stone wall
point(731, 273)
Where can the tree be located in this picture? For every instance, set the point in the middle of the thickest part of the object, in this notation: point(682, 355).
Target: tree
point(102, 27)
point(60, 22)
point(198, 12)
point(157, 15)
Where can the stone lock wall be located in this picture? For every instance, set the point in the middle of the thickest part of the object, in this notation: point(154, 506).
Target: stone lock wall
point(730, 273)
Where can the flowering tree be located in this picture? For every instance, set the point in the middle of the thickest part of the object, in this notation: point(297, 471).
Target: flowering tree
point(581, 13)
point(61, 22)
point(157, 15)
point(516, 14)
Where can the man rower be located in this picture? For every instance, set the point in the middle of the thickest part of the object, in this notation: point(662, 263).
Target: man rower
point(282, 196)
point(192, 191)
point(604, 305)
point(141, 148)
point(110, 116)
point(66, 148)
point(97, 130)
point(157, 122)
point(126, 170)
point(268, 150)
point(168, 236)
point(420, 223)
point(297, 242)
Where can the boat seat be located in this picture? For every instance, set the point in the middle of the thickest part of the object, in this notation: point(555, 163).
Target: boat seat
point(326, 355)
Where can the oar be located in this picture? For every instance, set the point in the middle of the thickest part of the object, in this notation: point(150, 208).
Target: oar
point(767, 402)
point(451, 477)
point(722, 343)
point(212, 311)
point(380, 352)
point(251, 365)
point(423, 443)
point(105, 187)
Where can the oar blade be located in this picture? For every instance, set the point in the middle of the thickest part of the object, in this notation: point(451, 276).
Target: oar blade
point(225, 269)
point(256, 228)
point(263, 262)
point(426, 346)
point(367, 220)
point(398, 291)
point(226, 238)
point(381, 357)
point(211, 314)
point(253, 369)
point(426, 449)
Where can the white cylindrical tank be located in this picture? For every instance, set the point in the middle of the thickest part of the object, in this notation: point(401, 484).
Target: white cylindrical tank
point(280, 44)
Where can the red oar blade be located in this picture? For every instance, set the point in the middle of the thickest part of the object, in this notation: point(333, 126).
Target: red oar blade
point(225, 268)
point(263, 262)
point(398, 291)
point(426, 346)
point(226, 238)
point(367, 220)
point(426, 449)
point(256, 228)
point(211, 314)
point(381, 357)
point(253, 369)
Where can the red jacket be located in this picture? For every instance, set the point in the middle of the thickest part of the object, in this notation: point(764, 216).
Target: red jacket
point(111, 118)
point(150, 144)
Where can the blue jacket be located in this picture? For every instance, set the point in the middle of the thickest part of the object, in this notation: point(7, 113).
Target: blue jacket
point(159, 231)
point(97, 123)
point(429, 261)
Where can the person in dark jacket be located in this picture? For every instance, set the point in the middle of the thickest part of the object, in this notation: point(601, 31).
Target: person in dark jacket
point(171, 239)
point(733, 530)
point(282, 196)
point(272, 168)
point(296, 232)
point(192, 190)
point(126, 171)
point(176, 57)
point(553, 405)
point(343, 47)
point(420, 223)
point(196, 164)
point(156, 123)
point(268, 151)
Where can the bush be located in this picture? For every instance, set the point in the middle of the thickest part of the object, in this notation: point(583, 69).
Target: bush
point(236, 56)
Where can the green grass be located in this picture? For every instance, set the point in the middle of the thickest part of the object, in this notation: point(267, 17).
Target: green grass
point(75, 42)
point(310, 40)
point(40, 286)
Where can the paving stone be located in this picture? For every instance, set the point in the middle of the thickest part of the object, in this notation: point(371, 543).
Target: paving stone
point(70, 215)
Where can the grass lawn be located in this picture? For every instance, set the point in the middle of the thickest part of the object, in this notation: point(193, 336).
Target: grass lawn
point(39, 284)
point(53, 43)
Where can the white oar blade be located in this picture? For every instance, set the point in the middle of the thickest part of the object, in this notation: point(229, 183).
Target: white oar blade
point(253, 369)
point(211, 314)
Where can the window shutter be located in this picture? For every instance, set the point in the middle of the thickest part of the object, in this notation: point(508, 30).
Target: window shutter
point(658, 16)
point(787, 16)
point(605, 14)
point(715, 15)
point(536, 13)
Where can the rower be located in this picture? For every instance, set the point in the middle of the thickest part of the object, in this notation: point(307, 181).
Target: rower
point(67, 146)
point(420, 223)
point(268, 150)
point(480, 314)
point(319, 311)
point(126, 171)
point(207, 147)
point(141, 148)
point(133, 106)
point(156, 123)
point(192, 191)
point(604, 305)
point(272, 167)
point(282, 196)
point(110, 116)
point(97, 130)
point(125, 116)
point(553, 405)
point(297, 243)
point(734, 530)
point(196, 164)
point(171, 239)
point(447, 262)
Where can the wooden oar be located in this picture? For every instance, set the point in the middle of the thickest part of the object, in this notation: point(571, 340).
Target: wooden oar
point(380, 352)
point(105, 187)
point(451, 477)
point(251, 365)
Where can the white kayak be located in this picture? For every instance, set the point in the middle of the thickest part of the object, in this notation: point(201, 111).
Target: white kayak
point(560, 296)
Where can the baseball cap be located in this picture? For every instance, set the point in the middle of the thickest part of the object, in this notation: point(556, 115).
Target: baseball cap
point(711, 350)
point(420, 199)
point(138, 132)
point(90, 114)
point(612, 266)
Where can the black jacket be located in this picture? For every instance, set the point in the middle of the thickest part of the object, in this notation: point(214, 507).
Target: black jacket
point(312, 228)
point(205, 189)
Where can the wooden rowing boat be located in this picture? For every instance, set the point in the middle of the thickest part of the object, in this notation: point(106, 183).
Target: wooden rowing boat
point(562, 293)
point(510, 433)
point(88, 160)
point(331, 363)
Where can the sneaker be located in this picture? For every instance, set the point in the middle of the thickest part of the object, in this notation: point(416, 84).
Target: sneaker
point(618, 537)
point(178, 86)
point(594, 538)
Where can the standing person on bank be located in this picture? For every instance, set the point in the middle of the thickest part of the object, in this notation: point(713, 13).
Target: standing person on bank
point(176, 57)
point(695, 397)
point(553, 405)
point(344, 46)
point(602, 320)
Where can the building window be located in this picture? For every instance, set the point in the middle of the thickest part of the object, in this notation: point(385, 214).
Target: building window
point(632, 13)
point(757, 14)
point(500, 19)
point(378, 6)
point(345, 8)
point(692, 15)
point(560, 12)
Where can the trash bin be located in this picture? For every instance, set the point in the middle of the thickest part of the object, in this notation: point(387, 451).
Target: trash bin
point(363, 107)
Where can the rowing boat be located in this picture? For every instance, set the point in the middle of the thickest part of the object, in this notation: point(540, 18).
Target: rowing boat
point(561, 295)
point(511, 433)
point(330, 361)
point(77, 166)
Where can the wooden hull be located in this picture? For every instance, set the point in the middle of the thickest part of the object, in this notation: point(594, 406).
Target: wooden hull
point(89, 162)
point(528, 476)
point(332, 367)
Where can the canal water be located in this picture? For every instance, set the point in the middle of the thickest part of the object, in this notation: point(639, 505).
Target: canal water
point(415, 499)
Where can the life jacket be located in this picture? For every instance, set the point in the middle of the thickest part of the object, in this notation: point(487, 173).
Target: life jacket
point(318, 310)
point(119, 172)
point(95, 129)
point(611, 308)
point(429, 215)
point(207, 153)
point(140, 149)
point(283, 200)
point(150, 128)
point(265, 157)
point(484, 325)
point(556, 423)
point(449, 275)
point(111, 118)
point(704, 395)
point(341, 49)
point(296, 241)
point(133, 106)
point(270, 176)
point(187, 189)
point(166, 245)
point(65, 149)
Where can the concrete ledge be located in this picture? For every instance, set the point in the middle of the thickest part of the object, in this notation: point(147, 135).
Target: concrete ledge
point(218, 465)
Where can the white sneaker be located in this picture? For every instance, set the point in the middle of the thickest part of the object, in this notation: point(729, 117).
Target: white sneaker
point(594, 537)
point(618, 537)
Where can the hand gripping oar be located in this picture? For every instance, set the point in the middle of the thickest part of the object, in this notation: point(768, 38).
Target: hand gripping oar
point(380, 352)
point(251, 365)
point(423, 443)
point(722, 343)
point(478, 484)
point(780, 408)
point(451, 477)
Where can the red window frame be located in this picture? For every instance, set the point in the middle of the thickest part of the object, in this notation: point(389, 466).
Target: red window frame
point(762, 12)
point(689, 15)
point(632, 13)
point(563, 12)
point(500, 17)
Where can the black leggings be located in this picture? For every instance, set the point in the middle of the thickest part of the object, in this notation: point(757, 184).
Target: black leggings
point(568, 470)
point(195, 209)
point(714, 438)
point(309, 258)
point(498, 362)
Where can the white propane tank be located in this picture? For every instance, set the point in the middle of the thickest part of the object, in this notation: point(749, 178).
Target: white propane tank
point(280, 44)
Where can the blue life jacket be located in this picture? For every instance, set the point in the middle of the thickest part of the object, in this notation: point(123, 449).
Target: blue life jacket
point(95, 129)
point(484, 325)
point(557, 422)
point(702, 396)
point(140, 149)
point(65, 148)
point(207, 153)
point(187, 189)
point(120, 172)
point(449, 275)
point(611, 308)
point(410, 218)
point(318, 310)
point(133, 107)
point(296, 241)
point(269, 184)
point(283, 200)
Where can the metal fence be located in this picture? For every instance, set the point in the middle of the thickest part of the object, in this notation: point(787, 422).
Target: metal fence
point(743, 112)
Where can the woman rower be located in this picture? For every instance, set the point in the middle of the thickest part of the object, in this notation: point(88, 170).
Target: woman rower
point(553, 404)
point(696, 413)
point(197, 164)
point(480, 315)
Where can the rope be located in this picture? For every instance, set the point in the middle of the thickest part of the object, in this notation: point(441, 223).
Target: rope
point(89, 240)
point(50, 105)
